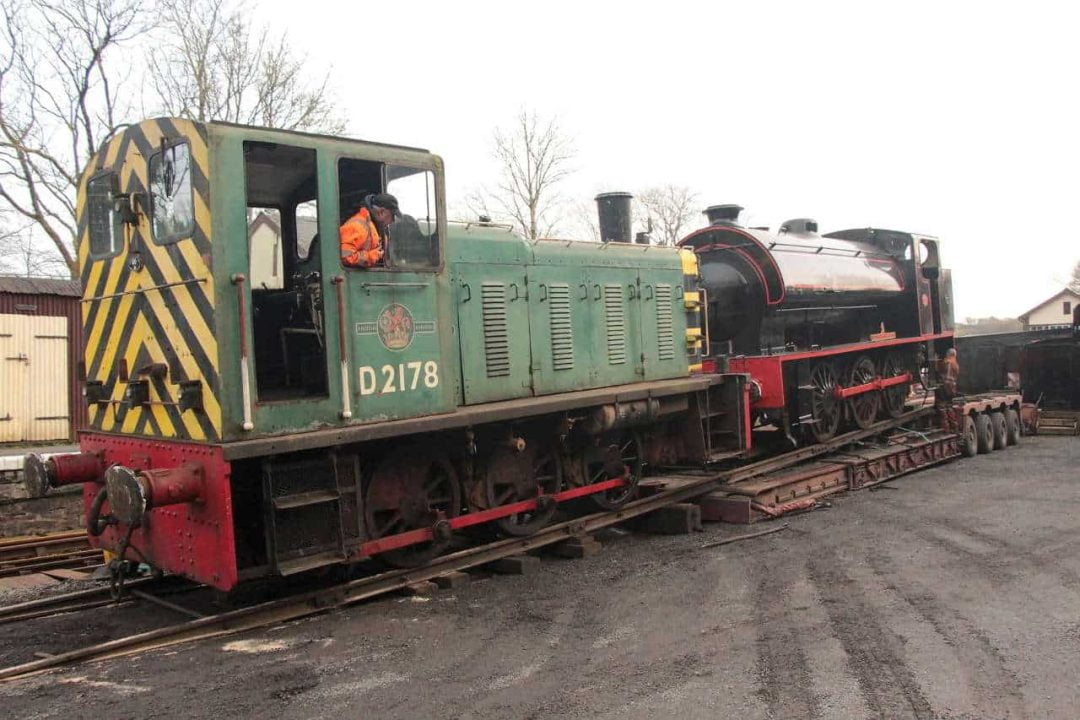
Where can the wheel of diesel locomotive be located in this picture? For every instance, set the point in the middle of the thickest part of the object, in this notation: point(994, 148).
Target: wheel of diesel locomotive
point(411, 488)
point(894, 398)
point(864, 406)
point(614, 455)
point(514, 476)
point(825, 409)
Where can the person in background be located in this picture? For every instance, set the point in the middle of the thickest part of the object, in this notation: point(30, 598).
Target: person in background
point(363, 235)
point(949, 371)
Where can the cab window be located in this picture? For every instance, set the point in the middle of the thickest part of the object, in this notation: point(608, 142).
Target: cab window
point(172, 205)
point(411, 242)
point(414, 237)
point(105, 229)
point(307, 228)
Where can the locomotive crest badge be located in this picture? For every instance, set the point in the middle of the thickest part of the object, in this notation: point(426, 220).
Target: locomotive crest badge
point(395, 326)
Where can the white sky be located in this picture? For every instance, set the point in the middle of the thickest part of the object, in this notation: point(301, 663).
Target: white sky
point(958, 120)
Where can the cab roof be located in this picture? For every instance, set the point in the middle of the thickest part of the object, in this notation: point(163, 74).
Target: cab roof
point(312, 135)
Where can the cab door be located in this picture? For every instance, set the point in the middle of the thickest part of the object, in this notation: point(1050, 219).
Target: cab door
point(399, 326)
point(396, 334)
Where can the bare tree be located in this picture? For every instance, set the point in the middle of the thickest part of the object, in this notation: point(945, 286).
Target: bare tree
point(584, 220)
point(22, 252)
point(534, 157)
point(58, 100)
point(1074, 279)
point(669, 210)
point(213, 63)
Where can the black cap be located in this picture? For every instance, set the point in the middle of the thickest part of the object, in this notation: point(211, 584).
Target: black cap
point(387, 201)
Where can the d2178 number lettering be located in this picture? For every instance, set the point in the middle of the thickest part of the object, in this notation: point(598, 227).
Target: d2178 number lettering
point(402, 377)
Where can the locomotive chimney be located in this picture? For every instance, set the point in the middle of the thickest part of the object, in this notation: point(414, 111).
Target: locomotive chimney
point(723, 214)
point(615, 219)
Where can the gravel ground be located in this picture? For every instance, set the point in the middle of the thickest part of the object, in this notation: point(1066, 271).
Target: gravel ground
point(955, 593)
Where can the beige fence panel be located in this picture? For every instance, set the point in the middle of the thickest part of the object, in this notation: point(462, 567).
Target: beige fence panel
point(47, 395)
point(33, 378)
point(14, 374)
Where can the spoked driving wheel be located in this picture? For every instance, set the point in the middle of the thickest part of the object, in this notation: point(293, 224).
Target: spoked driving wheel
point(864, 406)
point(614, 455)
point(894, 397)
point(409, 490)
point(513, 476)
point(825, 409)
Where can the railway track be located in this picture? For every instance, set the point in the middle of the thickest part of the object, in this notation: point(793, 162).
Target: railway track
point(30, 546)
point(67, 549)
point(77, 601)
point(683, 487)
point(88, 558)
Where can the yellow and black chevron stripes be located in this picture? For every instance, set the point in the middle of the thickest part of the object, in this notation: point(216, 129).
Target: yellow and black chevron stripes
point(692, 302)
point(157, 310)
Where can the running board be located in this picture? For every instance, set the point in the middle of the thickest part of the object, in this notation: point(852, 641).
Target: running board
point(800, 488)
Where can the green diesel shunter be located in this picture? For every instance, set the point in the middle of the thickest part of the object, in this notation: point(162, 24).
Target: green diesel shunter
point(257, 408)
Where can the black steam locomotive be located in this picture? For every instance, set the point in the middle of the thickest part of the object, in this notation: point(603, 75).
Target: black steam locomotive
point(833, 329)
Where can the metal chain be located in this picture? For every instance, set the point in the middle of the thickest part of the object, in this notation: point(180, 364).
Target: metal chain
point(117, 568)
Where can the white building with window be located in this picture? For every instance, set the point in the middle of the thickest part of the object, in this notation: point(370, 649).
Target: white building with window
point(264, 249)
point(1056, 312)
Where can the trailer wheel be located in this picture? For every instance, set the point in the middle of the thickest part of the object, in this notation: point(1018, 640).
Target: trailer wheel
point(984, 432)
point(997, 425)
point(1012, 426)
point(969, 443)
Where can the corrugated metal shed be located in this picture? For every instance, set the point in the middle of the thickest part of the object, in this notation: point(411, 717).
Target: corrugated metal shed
point(52, 297)
point(40, 286)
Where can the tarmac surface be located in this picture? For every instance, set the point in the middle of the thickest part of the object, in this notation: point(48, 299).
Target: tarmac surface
point(952, 593)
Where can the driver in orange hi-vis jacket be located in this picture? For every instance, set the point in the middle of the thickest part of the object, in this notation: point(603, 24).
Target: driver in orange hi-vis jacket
point(952, 373)
point(362, 234)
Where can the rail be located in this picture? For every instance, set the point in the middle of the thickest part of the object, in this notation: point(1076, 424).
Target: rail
point(16, 548)
point(313, 602)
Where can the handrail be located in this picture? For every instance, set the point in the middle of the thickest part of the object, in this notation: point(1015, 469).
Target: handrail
point(136, 291)
point(404, 285)
point(245, 381)
point(346, 403)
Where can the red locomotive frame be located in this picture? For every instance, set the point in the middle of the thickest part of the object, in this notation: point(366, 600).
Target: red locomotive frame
point(195, 538)
point(768, 370)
